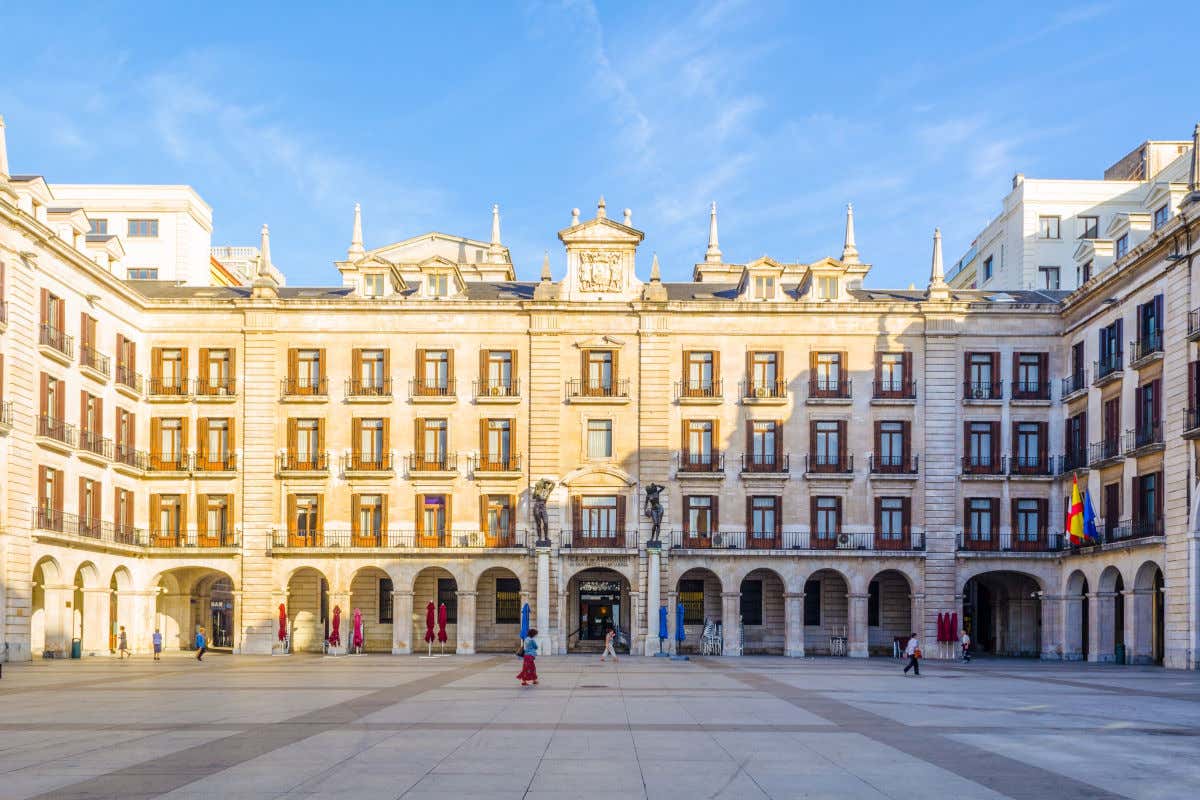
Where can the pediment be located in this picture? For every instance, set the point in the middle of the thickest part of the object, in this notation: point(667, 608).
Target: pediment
point(598, 476)
point(600, 343)
point(419, 249)
point(601, 229)
point(764, 263)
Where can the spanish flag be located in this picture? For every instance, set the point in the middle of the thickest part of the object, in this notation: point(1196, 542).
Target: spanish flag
point(1075, 514)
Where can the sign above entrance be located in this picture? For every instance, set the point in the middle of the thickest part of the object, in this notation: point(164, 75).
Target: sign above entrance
point(599, 587)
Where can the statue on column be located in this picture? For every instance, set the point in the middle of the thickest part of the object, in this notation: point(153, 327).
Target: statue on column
point(654, 511)
point(541, 493)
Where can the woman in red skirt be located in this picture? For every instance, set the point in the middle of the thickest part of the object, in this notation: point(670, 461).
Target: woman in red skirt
point(528, 670)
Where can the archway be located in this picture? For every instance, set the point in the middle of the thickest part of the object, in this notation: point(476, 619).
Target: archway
point(1110, 613)
point(761, 607)
point(889, 612)
point(371, 595)
point(497, 611)
point(46, 628)
point(308, 610)
point(597, 599)
point(1002, 612)
point(826, 613)
point(190, 598)
point(699, 590)
point(120, 604)
point(435, 585)
point(89, 610)
point(1147, 611)
point(1076, 633)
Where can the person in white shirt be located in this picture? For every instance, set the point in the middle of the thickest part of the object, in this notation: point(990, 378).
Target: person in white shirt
point(965, 641)
point(911, 650)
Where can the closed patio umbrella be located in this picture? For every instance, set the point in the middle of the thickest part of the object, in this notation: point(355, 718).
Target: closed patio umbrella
point(680, 633)
point(358, 629)
point(282, 622)
point(429, 623)
point(335, 635)
point(442, 624)
point(941, 627)
point(524, 621)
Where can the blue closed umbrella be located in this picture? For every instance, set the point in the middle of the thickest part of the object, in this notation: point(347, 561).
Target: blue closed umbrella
point(680, 634)
point(662, 623)
point(525, 621)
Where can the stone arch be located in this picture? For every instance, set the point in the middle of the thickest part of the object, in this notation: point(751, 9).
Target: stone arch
point(190, 597)
point(699, 589)
point(1149, 614)
point(1076, 612)
point(498, 600)
point(890, 610)
point(1043, 576)
point(1110, 615)
point(826, 611)
point(89, 609)
point(1002, 612)
point(307, 609)
point(762, 612)
point(87, 576)
point(597, 598)
point(371, 589)
point(436, 584)
point(47, 627)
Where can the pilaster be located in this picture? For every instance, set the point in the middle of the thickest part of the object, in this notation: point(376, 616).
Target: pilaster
point(466, 623)
point(856, 635)
point(731, 623)
point(793, 624)
point(402, 622)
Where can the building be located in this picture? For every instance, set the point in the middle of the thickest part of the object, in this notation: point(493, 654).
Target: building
point(1033, 243)
point(235, 265)
point(840, 466)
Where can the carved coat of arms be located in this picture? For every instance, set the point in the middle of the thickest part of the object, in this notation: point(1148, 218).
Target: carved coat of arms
point(600, 271)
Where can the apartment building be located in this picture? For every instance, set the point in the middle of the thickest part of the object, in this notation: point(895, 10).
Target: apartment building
point(839, 466)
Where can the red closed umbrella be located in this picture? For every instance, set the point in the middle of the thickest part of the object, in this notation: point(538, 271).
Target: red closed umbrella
point(442, 623)
point(952, 633)
point(335, 635)
point(282, 622)
point(941, 628)
point(429, 623)
point(358, 629)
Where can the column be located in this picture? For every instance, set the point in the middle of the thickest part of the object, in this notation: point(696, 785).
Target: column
point(916, 603)
point(731, 619)
point(402, 622)
point(1053, 646)
point(341, 600)
point(176, 624)
point(542, 621)
point(95, 621)
point(466, 623)
point(1072, 627)
point(236, 634)
point(793, 624)
point(1096, 648)
point(59, 616)
point(140, 625)
point(567, 623)
point(1139, 625)
point(653, 588)
point(856, 633)
point(635, 621)
point(672, 618)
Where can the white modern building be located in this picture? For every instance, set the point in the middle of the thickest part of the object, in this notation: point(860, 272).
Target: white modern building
point(1032, 244)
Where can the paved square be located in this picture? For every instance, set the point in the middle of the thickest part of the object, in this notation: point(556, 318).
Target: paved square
point(461, 726)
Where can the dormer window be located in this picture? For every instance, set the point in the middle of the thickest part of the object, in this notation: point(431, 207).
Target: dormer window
point(764, 287)
point(827, 288)
point(99, 226)
point(1161, 215)
point(1121, 247)
point(374, 285)
point(439, 284)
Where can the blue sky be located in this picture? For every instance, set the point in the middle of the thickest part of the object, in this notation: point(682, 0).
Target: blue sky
point(781, 112)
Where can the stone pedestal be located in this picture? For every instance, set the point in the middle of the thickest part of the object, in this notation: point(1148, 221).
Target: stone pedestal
point(793, 624)
point(856, 633)
point(466, 623)
point(653, 599)
point(672, 622)
point(346, 627)
point(731, 619)
point(546, 634)
point(402, 622)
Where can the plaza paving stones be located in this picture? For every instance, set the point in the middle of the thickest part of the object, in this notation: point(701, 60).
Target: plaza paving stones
point(462, 727)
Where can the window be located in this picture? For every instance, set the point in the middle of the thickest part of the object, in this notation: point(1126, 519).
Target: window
point(432, 441)
point(497, 443)
point(1029, 375)
point(698, 444)
point(1077, 439)
point(981, 518)
point(1029, 439)
point(1110, 425)
point(307, 441)
point(987, 268)
point(1147, 504)
point(1085, 273)
point(386, 600)
point(143, 228)
point(123, 515)
point(508, 601)
point(751, 605)
point(142, 273)
point(99, 226)
point(1161, 215)
point(371, 444)
point(598, 372)
point(216, 371)
point(827, 288)
point(700, 515)
point(447, 595)
point(434, 372)
point(873, 604)
point(1149, 403)
point(1110, 349)
point(171, 365)
point(1048, 277)
point(599, 442)
point(372, 372)
point(432, 520)
point(1048, 227)
point(981, 444)
point(892, 513)
point(1027, 519)
point(374, 284)
point(214, 439)
point(812, 603)
point(827, 444)
point(215, 508)
point(598, 517)
point(766, 442)
point(982, 369)
point(765, 369)
point(892, 378)
point(438, 284)
point(50, 498)
point(1089, 227)
point(168, 443)
point(891, 451)
point(691, 595)
point(89, 504)
point(368, 520)
point(168, 521)
point(498, 372)
point(764, 287)
point(1121, 247)
point(827, 373)
point(1150, 326)
point(307, 372)
point(827, 519)
point(699, 373)
point(499, 516)
point(765, 517)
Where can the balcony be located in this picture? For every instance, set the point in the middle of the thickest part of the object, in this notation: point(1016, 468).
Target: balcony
point(764, 392)
point(1006, 542)
point(177, 539)
point(828, 465)
point(431, 464)
point(1074, 385)
point(210, 463)
point(1031, 392)
point(56, 344)
point(1072, 462)
point(55, 433)
point(397, 539)
point(496, 391)
point(1193, 331)
point(126, 458)
point(1127, 531)
point(360, 391)
point(1191, 423)
point(1035, 466)
point(95, 445)
point(584, 391)
point(215, 389)
point(898, 466)
point(1105, 453)
point(825, 391)
point(357, 464)
point(599, 540)
point(701, 392)
point(766, 464)
point(96, 363)
point(3, 314)
point(167, 389)
point(96, 530)
point(983, 391)
point(1146, 350)
point(6, 417)
point(129, 381)
point(302, 390)
point(894, 391)
point(169, 464)
point(873, 541)
point(1143, 440)
point(495, 465)
point(432, 390)
point(787, 541)
point(983, 466)
point(702, 462)
point(1107, 369)
point(302, 464)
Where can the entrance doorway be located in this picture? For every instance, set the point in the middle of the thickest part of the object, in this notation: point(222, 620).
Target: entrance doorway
point(220, 605)
point(597, 600)
point(599, 605)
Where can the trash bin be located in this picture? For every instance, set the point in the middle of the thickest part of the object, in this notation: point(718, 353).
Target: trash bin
point(76, 648)
point(1119, 653)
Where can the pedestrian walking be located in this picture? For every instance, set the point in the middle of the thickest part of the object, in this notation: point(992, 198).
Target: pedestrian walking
point(528, 673)
point(201, 644)
point(609, 639)
point(156, 639)
point(123, 650)
point(965, 641)
point(913, 651)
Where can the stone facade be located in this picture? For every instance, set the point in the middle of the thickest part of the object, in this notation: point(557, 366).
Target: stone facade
point(790, 512)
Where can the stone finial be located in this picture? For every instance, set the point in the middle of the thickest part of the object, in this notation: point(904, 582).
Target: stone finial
point(264, 251)
point(495, 223)
point(3, 151)
point(546, 276)
point(265, 286)
point(546, 290)
point(654, 291)
point(629, 218)
point(601, 209)
point(1193, 178)
point(849, 248)
point(938, 290)
point(655, 274)
point(356, 250)
point(574, 217)
point(713, 254)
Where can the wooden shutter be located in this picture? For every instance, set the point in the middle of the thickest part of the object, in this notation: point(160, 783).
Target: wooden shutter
point(716, 368)
point(293, 367)
point(356, 361)
point(966, 518)
point(420, 503)
point(1017, 389)
point(716, 440)
point(483, 371)
point(512, 515)
point(616, 371)
point(96, 423)
point(132, 431)
point(1156, 388)
point(1043, 510)
point(292, 430)
point(779, 515)
point(780, 375)
point(386, 446)
point(997, 384)
point(1012, 521)
point(1043, 444)
point(779, 444)
point(45, 306)
point(715, 521)
point(812, 518)
point(83, 507)
point(879, 442)
point(155, 437)
point(906, 363)
point(995, 506)
point(687, 526)
point(291, 513)
point(483, 507)
point(749, 379)
point(906, 515)
point(419, 382)
point(84, 417)
point(356, 436)
point(383, 515)
point(204, 361)
point(355, 507)
point(320, 513)
point(878, 373)
point(749, 442)
point(156, 365)
point(419, 443)
point(749, 516)
point(449, 382)
point(906, 443)
point(320, 439)
point(232, 367)
point(202, 453)
point(483, 440)
point(622, 502)
point(155, 512)
point(995, 426)
point(44, 407)
point(576, 515)
point(201, 515)
point(1193, 372)
point(843, 448)
point(1044, 374)
point(231, 424)
point(812, 369)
